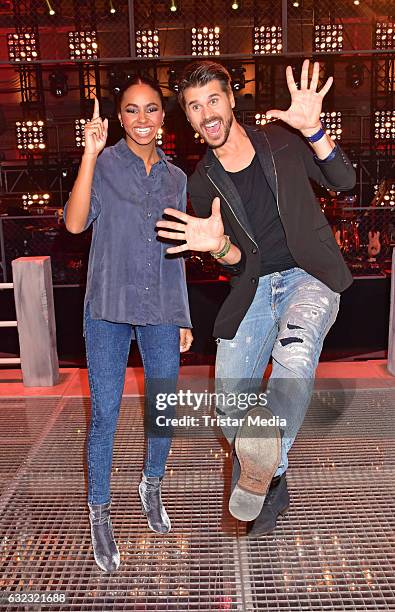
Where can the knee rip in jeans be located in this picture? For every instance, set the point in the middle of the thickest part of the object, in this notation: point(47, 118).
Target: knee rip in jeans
point(291, 339)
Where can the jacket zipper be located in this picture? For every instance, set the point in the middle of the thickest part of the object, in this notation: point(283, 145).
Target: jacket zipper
point(233, 212)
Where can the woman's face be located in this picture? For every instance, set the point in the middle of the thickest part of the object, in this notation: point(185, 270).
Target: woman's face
point(141, 113)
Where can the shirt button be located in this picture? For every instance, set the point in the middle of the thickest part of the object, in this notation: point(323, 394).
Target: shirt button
point(149, 263)
point(147, 193)
point(149, 214)
point(149, 239)
point(254, 251)
point(147, 288)
point(253, 280)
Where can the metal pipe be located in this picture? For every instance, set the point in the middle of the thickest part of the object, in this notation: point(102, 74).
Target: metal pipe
point(284, 23)
point(3, 263)
point(132, 32)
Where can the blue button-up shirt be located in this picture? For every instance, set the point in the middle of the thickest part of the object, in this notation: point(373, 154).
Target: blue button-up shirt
point(130, 277)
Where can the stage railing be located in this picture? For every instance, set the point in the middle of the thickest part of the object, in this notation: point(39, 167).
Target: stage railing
point(35, 321)
point(8, 360)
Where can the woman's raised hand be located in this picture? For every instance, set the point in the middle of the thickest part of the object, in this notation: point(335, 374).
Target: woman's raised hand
point(95, 132)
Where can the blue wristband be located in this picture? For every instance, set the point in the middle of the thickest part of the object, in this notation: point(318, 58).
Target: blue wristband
point(331, 155)
point(317, 136)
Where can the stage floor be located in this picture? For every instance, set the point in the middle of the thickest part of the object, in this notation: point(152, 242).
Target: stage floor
point(333, 550)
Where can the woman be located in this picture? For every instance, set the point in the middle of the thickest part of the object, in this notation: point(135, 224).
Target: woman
point(133, 291)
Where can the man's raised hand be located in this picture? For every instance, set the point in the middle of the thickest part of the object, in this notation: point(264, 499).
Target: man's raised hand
point(199, 234)
point(95, 132)
point(306, 102)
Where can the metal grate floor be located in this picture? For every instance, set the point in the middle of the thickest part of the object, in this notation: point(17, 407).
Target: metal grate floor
point(334, 550)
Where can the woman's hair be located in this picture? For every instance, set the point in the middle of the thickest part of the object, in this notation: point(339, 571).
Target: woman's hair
point(138, 79)
point(200, 73)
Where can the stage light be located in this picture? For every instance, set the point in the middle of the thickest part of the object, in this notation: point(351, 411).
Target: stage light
point(23, 46)
point(50, 7)
point(267, 40)
point(356, 2)
point(35, 199)
point(198, 138)
point(332, 122)
point(116, 79)
point(83, 45)
point(58, 83)
point(147, 43)
point(206, 41)
point(169, 144)
point(173, 80)
point(112, 8)
point(159, 137)
point(238, 79)
point(385, 35)
point(384, 125)
point(328, 37)
point(30, 136)
point(79, 136)
point(173, 6)
point(295, 4)
point(388, 199)
point(354, 75)
point(235, 5)
point(261, 119)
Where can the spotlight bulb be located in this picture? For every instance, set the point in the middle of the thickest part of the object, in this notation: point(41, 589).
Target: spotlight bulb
point(173, 6)
point(50, 8)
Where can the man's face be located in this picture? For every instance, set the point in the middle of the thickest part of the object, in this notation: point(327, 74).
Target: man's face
point(209, 110)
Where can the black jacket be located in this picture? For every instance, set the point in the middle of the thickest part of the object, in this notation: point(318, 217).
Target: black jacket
point(288, 163)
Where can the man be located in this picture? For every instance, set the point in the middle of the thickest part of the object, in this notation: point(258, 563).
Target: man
point(257, 215)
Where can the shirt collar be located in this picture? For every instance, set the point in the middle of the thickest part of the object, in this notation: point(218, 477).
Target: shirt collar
point(129, 157)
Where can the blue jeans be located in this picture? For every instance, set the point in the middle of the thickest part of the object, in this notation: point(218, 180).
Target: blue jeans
point(107, 351)
point(288, 320)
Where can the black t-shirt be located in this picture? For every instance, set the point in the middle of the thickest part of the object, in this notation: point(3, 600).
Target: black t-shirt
point(262, 212)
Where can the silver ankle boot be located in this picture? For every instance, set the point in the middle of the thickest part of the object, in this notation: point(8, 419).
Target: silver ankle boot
point(153, 508)
point(104, 546)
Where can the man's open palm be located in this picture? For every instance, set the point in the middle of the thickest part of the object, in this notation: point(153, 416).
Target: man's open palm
point(199, 234)
point(306, 102)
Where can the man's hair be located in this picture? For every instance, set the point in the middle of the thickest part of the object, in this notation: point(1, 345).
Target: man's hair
point(200, 73)
point(138, 79)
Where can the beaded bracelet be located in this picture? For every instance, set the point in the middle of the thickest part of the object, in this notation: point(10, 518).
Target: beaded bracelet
point(224, 251)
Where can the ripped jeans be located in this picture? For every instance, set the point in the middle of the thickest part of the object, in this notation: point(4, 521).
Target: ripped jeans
point(288, 320)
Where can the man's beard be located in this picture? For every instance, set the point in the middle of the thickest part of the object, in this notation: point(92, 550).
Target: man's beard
point(227, 127)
